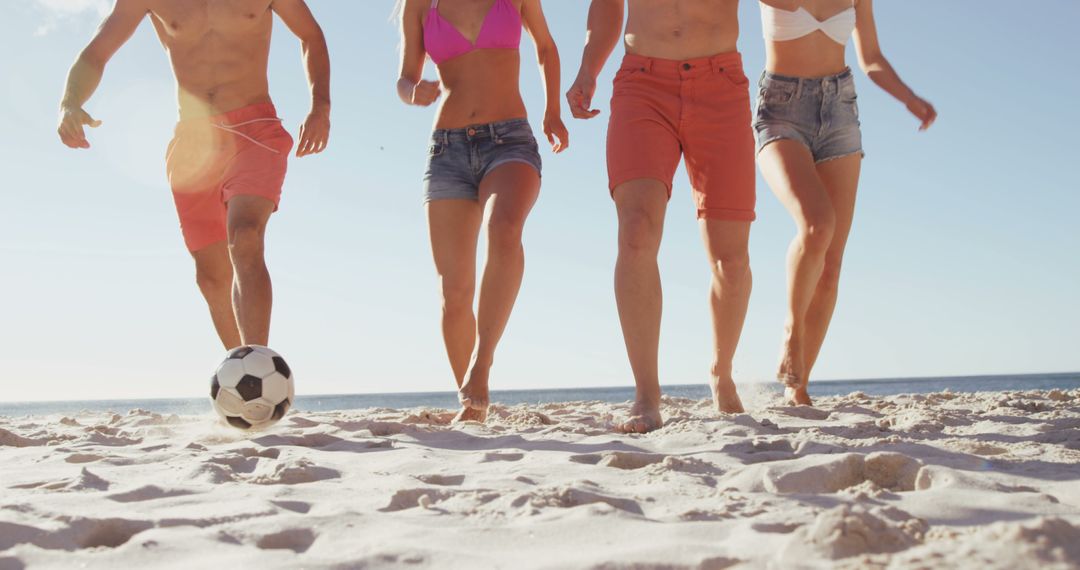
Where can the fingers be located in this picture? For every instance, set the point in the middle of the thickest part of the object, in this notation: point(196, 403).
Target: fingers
point(72, 135)
point(579, 104)
point(310, 145)
point(313, 140)
point(426, 92)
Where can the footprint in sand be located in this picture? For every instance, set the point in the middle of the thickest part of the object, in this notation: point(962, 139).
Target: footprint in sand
point(84, 481)
point(442, 480)
point(501, 456)
point(293, 472)
point(83, 458)
point(629, 460)
point(569, 497)
point(297, 540)
point(295, 506)
point(148, 493)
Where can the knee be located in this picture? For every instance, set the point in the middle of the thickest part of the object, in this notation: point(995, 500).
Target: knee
point(504, 232)
point(245, 238)
point(816, 233)
point(639, 234)
point(457, 297)
point(830, 277)
point(213, 280)
point(732, 267)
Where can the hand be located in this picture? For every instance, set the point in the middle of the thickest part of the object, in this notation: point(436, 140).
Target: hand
point(580, 97)
point(556, 133)
point(924, 111)
point(426, 92)
point(72, 120)
point(314, 133)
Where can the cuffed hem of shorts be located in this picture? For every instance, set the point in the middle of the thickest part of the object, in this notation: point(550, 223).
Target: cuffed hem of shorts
point(726, 214)
point(616, 182)
point(761, 145)
point(860, 152)
point(498, 163)
point(232, 191)
point(194, 245)
point(457, 195)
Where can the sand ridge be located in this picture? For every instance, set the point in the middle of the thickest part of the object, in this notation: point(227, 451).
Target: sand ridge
point(909, 481)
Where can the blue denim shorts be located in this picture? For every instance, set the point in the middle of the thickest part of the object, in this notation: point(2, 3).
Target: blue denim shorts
point(821, 113)
point(459, 159)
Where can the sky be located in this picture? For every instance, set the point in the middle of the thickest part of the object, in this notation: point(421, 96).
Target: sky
point(964, 257)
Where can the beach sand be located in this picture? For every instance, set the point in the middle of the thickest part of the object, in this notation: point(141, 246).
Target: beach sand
point(942, 480)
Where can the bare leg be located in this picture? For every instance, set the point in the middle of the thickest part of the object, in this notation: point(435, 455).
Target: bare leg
point(508, 194)
point(252, 292)
point(726, 243)
point(641, 206)
point(789, 169)
point(454, 226)
point(841, 178)
point(214, 275)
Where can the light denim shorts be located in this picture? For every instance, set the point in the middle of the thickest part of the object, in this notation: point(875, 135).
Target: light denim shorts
point(459, 159)
point(820, 113)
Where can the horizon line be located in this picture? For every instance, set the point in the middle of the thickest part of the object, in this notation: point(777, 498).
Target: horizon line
point(493, 391)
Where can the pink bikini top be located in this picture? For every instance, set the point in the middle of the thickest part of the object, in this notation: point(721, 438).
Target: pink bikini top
point(501, 29)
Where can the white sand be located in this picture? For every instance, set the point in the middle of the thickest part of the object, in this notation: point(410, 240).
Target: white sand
point(924, 481)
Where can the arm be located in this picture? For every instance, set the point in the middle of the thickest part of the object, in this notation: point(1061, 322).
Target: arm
point(85, 74)
point(547, 55)
point(315, 132)
point(411, 87)
point(880, 71)
point(604, 32)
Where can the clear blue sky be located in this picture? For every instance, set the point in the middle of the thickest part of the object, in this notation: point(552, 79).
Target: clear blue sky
point(964, 259)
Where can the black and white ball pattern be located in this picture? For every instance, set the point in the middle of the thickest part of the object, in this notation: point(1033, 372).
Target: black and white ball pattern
point(252, 388)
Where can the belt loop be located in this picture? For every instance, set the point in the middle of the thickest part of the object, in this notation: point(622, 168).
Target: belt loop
point(446, 137)
point(494, 135)
point(798, 88)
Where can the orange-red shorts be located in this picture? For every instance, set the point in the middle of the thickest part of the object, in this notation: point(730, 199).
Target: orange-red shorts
point(699, 109)
point(211, 159)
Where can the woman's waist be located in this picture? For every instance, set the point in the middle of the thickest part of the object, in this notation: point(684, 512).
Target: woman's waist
point(495, 130)
point(459, 112)
point(806, 57)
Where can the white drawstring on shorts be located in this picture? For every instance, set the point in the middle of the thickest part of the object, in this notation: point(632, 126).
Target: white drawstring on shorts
point(232, 129)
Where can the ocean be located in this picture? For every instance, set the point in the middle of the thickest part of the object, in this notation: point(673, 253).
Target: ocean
point(448, 399)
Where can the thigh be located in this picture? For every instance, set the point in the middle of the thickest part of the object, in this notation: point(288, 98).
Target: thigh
point(841, 179)
point(718, 145)
point(213, 259)
point(509, 191)
point(453, 226)
point(642, 141)
point(248, 212)
point(789, 169)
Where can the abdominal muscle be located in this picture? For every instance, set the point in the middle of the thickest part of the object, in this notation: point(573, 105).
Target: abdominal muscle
point(480, 87)
point(815, 55)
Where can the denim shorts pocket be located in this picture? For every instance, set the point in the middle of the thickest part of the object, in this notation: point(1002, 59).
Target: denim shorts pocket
point(777, 93)
point(436, 149)
point(517, 134)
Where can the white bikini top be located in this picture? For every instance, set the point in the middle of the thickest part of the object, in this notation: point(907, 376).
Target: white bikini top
point(783, 25)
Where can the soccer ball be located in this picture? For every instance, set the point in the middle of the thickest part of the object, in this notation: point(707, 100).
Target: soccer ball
point(252, 388)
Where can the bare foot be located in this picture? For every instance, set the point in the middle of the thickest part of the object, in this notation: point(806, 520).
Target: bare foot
point(790, 374)
point(725, 396)
point(473, 395)
point(643, 418)
point(797, 396)
point(470, 415)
